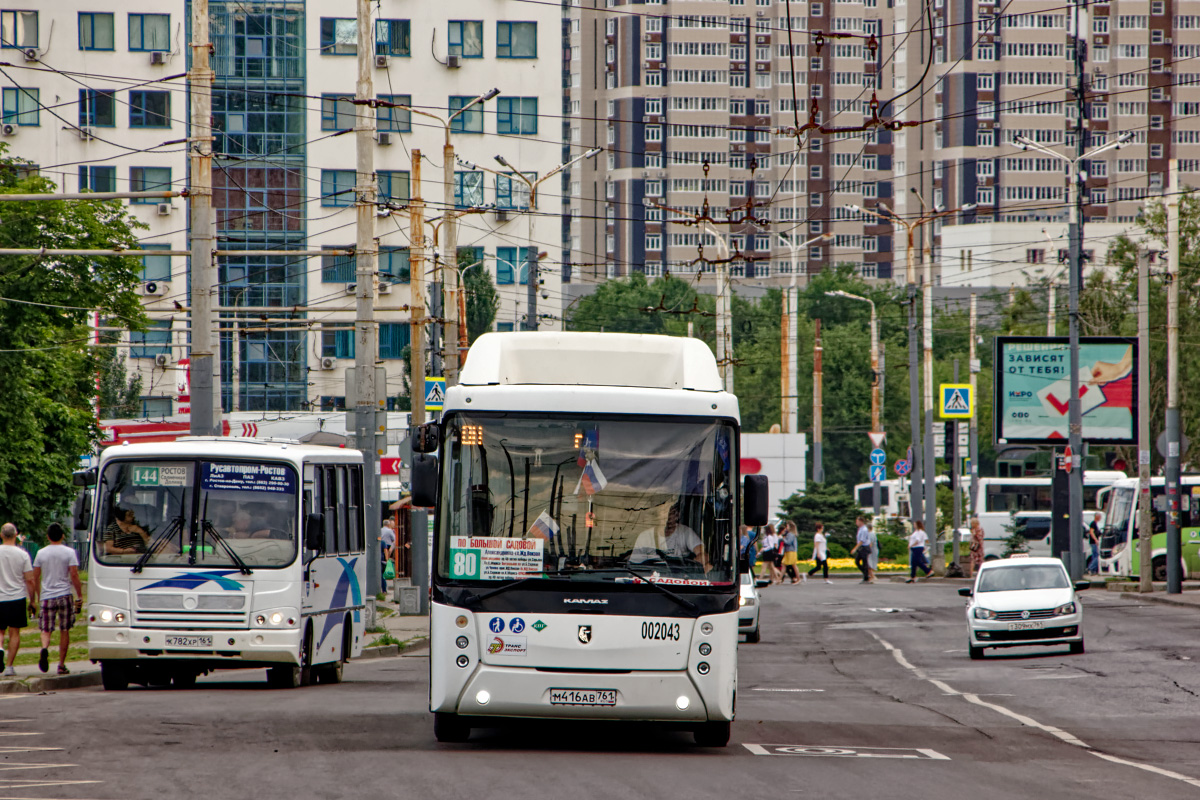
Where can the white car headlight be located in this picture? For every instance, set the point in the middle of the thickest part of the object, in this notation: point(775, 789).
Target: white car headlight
point(1064, 609)
point(984, 613)
point(746, 601)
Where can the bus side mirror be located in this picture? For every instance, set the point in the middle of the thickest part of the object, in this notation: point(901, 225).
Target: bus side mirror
point(424, 480)
point(426, 438)
point(84, 477)
point(754, 500)
point(82, 513)
point(314, 532)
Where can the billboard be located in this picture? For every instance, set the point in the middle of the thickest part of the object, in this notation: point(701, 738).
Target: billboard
point(1033, 389)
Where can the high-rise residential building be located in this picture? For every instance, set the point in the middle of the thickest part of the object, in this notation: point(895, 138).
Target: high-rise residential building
point(673, 86)
point(97, 100)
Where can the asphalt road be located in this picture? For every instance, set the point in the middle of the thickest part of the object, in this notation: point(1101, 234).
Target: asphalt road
point(854, 692)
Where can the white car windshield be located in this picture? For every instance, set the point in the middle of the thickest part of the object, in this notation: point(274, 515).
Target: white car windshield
point(1015, 579)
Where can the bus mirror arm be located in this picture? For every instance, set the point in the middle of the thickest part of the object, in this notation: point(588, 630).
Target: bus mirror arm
point(754, 500)
point(314, 532)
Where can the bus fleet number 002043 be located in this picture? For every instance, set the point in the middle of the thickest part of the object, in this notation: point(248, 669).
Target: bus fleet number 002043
point(660, 630)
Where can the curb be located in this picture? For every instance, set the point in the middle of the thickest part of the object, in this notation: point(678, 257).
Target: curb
point(412, 645)
point(1168, 600)
point(51, 683)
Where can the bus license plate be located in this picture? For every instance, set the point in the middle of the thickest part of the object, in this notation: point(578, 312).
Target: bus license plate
point(1025, 626)
point(583, 697)
point(189, 641)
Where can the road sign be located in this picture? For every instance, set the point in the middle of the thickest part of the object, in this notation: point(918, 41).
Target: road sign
point(955, 401)
point(939, 437)
point(878, 473)
point(878, 457)
point(435, 393)
point(877, 438)
point(902, 467)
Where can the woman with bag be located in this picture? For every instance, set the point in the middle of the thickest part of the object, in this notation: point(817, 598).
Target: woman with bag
point(791, 543)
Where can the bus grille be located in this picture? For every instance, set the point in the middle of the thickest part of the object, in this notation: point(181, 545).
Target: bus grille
point(193, 612)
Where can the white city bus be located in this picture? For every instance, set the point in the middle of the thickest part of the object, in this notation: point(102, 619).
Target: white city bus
point(211, 553)
point(585, 551)
point(1001, 501)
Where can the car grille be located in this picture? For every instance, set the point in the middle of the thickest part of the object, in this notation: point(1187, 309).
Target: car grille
point(210, 612)
point(1015, 616)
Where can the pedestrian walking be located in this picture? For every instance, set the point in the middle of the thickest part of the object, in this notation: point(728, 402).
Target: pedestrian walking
point(976, 560)
point(387, 547)
point(16, 590)
point(918, 541)
point(791, 542)
point(1093, 534)
point(862, 549)
point(820, 552)
point(55, 574)
point(873, 559)
point(768, 552)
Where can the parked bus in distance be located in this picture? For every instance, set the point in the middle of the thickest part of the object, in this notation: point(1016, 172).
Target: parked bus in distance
point(1000, 502)
point(586, 545)
point(210, 553)
point(1120, 548)
point(893, 503)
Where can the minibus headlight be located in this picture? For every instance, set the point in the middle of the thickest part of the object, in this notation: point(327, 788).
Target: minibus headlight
point(103, 615)
point(275, 618)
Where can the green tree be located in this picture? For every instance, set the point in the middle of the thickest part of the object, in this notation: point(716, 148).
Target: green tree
point(828, 503)
point(481, 298)
point(46, 367)
point(119, 396)
point(636, 305)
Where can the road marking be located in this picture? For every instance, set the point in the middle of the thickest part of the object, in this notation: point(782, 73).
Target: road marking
point(11, 765)
point(1058, 733)
point(845, 752)
point(767, 689)
point(36, 784)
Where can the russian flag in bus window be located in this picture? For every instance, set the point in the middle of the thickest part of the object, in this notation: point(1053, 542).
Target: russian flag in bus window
point(544, 527)
point(592, 480)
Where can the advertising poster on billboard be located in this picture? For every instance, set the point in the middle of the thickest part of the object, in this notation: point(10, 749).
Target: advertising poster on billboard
point(1033, 389)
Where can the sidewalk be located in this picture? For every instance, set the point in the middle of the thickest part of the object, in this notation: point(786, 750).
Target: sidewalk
point(1190, 598)
point(31, 679)
point(411, 631)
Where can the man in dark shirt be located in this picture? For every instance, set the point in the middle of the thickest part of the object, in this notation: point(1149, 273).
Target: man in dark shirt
point(1093, 535)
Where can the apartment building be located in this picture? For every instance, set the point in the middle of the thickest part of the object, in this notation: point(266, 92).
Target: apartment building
point(97, 100)
point(672, 85)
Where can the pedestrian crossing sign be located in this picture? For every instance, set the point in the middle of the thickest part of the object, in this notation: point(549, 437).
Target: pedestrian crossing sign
point(956, 401)
point(435, 393)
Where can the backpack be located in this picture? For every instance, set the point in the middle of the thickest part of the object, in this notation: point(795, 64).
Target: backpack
point(782, 546)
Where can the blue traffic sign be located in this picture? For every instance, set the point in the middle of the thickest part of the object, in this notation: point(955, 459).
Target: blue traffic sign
point(902, 467)
point(878, 473)
point(878, 457)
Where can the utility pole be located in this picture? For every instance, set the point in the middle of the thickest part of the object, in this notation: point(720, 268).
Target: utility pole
point(818, 474)
point(785, 362)
point(205, 417)
point(973, 367)
point(939, 557)
point(1174, 545)
point(793, 387)
point(449, 277)
point(416, 258)
point(956, 474)
point(366, 345)
point(1145, 512)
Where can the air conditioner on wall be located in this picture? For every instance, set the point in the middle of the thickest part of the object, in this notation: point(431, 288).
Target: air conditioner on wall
point(501, 214)
point(162, 360)
point(351, 288)
point(328, 362)
point(381, 62)
point(158, 58)
point(453, 62)
point(155, 288)
point(384, 138)
point(164, 209)
point(9, 130)
point(31, 54)
point(385, 287)
point(87, 134)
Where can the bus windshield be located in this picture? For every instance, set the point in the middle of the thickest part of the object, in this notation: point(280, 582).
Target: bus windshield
point(614, 500)
point(1116, 514)
point(197, 513)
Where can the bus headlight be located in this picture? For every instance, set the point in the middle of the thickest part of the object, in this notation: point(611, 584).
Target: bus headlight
point(104, 615)
point(275, 618)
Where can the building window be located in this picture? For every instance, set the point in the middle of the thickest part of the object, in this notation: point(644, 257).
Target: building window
point(154, 341)
point(149, 109)
point(1156, 151)
point(512, 192)
point(394, 262)
point(470, 121)
point(468, 189)
point(337, 112)
point(393, 339)
point(149, 179)
point(654, 133)
point(156, 407)
point(149, 32)
point(466, 38)
point(762, 242)
point(654, 241)
point(506, 265)
point(516, 40)
point(393, 185)
point(814, 253)
point(97, 109)
point(516, 115)
point(814, 199)
point(395, 120)
point(814, 172)
point(18, 29)
point(392, 37)
point(337, 344)
point(653, 189)
point(97, 179)
point(337, 187)
point(654, 105)
point(337, 268)
point(95, 31)
point(1035, 256)
point(155, 268)
point(985, 196)
point(21, 106)
point(339, 37)
point(654, 77)
point(985, 139)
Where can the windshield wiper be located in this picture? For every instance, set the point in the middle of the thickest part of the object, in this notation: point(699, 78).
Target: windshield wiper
point(233, 556)
point(159, 540)
point(688, 604)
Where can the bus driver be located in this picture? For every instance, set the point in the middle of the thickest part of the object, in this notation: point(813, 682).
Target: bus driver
point(676, 541)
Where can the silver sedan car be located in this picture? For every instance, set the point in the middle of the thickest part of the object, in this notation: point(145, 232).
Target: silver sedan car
point(748, 608)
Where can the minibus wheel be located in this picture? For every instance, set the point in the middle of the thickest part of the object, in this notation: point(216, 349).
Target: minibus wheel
point(113, 676)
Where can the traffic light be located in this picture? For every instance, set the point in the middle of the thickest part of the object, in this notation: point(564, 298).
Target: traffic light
point(951, 440)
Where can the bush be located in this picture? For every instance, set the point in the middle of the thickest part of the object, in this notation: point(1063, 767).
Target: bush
point(832, 549)
point(892, 548)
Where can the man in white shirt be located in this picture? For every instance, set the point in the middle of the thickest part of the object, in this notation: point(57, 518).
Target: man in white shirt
point(16, 589)
point(918, 541)
point(676, 541)
point(56, 572)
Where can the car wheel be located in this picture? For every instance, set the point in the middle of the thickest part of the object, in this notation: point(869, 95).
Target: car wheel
point(1077, 648)
point(754, 636)
point(976, 652)
point(450, 728)
point(712, 734)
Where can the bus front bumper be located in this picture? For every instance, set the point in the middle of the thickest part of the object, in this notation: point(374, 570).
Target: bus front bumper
point(523, 692)
point(255, 646)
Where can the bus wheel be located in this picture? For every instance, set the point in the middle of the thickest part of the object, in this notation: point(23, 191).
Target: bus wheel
point(283, 677)
point(184, 680)
point(114, 677)
point(306, 668)
point(1159, 568)
point(450, 728)
point(332, 673)
point(712, 734)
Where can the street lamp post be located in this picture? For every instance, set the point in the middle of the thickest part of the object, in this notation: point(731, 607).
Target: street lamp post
point(724, 337)
point(876, 423)
point(531, 321)
point(1074, 413)
point(450, 351)
point(462, 313)
point(789, 391)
